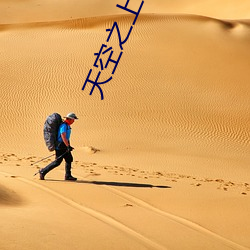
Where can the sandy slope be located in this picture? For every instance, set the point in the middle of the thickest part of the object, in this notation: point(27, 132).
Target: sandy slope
point(173, 133)
point(109, 208)
point(52, 10)
point(187, 106)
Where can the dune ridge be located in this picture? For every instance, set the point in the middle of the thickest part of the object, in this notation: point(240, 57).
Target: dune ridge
point(96, 21)
point(51, 11)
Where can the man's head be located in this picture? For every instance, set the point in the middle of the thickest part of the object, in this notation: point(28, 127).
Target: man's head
point(70, 118)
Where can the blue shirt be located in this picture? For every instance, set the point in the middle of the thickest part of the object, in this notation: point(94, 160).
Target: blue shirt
point(64, 128)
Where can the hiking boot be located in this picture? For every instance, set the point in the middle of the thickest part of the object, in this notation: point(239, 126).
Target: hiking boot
point(70, 178)
point(41, 175)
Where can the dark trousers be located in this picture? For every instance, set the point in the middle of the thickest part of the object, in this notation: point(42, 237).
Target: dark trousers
point(67, 156)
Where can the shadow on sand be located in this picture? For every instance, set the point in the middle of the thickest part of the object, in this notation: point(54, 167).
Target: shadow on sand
point(122, 184)
point(116, 184)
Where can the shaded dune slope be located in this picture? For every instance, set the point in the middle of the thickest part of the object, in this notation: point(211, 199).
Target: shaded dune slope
point(8, 197)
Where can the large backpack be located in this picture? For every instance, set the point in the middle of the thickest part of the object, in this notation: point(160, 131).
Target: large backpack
point(50, 130)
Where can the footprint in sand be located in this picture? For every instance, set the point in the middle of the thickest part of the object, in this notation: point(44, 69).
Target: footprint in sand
point(128, 205)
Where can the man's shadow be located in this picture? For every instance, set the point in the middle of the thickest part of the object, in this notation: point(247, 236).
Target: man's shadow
point(122, 184)
point(114, 183)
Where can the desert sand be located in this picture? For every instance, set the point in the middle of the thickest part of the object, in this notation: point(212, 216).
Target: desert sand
point(162, 161)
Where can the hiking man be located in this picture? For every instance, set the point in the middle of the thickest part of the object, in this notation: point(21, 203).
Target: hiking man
point(63, 149)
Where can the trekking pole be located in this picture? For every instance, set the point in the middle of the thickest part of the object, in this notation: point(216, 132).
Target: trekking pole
point(41, 159)
point(46, 158)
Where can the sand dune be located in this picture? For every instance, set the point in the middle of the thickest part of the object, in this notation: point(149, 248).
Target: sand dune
point(37, 11)
point(162, 161)
point(194, 111)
